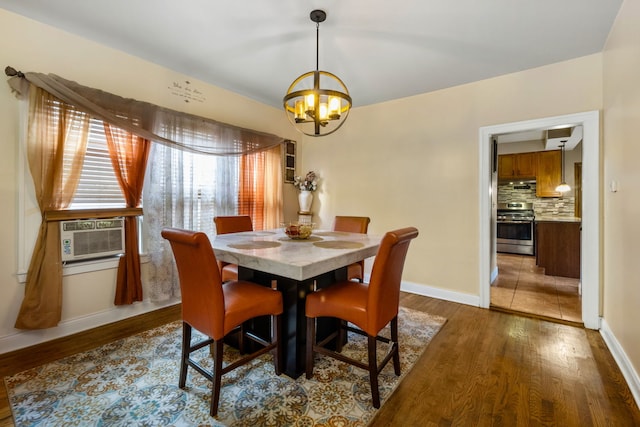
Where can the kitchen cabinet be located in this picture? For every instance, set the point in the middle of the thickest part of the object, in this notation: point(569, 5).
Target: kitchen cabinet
point(543, 166)
point(517, 166)
point(558, 247)
point(549, 173)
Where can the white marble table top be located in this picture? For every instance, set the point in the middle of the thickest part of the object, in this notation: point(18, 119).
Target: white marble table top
point(271, 251)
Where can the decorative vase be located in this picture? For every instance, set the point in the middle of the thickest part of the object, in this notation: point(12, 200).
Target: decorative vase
point(305, 198)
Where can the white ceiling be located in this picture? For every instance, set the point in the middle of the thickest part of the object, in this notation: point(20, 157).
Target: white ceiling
point(570, 137)
point(382, 50)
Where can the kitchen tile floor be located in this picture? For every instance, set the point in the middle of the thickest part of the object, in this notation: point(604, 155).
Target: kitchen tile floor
point(522, 286)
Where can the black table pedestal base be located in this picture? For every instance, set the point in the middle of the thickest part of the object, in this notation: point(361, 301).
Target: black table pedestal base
point(294, 322)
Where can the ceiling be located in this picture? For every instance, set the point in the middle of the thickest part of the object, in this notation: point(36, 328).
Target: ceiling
point(553, 138)
point(382, 50)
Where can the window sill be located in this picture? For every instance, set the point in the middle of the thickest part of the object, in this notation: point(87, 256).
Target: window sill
point(88, 266)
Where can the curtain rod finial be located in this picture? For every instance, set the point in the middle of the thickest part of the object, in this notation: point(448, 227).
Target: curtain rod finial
point(10, 71)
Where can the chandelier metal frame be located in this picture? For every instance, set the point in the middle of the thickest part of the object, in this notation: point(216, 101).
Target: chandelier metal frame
point(306, 102)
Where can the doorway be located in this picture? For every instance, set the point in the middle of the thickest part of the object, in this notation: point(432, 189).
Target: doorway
point(523, 284)
point(591, 211)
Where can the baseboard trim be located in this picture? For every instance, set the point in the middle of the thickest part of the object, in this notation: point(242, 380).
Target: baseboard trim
point(625, 365)
point(28, 338)
point(494, 275)
point(430, 291)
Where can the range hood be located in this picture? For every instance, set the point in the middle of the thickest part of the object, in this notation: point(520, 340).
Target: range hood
point(516, 182)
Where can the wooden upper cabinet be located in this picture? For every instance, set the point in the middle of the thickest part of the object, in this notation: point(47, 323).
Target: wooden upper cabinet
point(543, 166)
point(526, 165)
point(506, 166)
point(517, 166)
point(549, 173)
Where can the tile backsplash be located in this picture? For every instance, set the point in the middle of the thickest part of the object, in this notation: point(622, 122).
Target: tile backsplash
point(546, 206)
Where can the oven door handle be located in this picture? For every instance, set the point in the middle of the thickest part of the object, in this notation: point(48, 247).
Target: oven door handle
point(515, 222)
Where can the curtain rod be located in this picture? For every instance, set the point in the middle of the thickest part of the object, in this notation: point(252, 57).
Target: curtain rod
point(11, 72)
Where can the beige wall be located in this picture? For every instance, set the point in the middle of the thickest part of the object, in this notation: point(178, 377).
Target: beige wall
point(621, 297)
point(414, 161)
point(49, 50)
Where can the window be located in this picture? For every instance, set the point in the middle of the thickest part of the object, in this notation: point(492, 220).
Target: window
point(186, 189)
point(98, 186)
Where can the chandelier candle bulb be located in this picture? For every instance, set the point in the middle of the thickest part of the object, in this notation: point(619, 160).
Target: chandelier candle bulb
point(334, 107)
point(310, 102)
point(300, 113)
point(324, 111)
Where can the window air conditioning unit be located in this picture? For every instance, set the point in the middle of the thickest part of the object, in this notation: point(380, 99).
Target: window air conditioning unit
point(91, 238)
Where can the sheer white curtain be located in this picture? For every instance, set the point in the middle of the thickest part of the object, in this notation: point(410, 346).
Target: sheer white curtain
point(184, 190)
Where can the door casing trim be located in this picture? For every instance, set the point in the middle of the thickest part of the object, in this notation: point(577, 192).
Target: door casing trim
point(590, 259)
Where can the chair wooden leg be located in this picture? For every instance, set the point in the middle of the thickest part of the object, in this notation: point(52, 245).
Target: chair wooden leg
point(241, 340)
point(311, 340)
point(394, 341)
point(217, 377)
point(186, 343)
point(373, 371)
point(342, 335)
point(276, 325)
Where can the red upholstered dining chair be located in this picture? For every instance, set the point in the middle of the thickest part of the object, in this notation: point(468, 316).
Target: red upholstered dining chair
point(231, 224)
point(353, 224)
point(369, 307)
point(216, 310)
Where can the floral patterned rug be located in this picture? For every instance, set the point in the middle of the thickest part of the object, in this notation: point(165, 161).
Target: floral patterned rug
point(134, 382)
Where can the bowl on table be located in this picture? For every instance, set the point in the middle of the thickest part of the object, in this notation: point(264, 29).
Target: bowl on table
point(297, 231)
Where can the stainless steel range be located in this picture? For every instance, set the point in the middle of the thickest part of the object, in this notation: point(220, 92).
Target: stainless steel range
point(515, 221)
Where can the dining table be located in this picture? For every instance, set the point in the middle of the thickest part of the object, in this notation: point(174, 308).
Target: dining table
point(295, 267)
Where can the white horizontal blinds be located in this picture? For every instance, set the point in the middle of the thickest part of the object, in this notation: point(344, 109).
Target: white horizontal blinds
point(98, 186)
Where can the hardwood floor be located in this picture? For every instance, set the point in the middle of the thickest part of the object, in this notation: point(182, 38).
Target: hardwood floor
point(483, 368)
point(521, 286)
point(491, 368)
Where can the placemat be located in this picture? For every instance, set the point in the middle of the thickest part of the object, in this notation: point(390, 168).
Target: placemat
point(339, 244)
point(255, 245)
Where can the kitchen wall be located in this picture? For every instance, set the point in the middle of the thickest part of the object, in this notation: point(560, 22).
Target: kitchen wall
point(543, 206)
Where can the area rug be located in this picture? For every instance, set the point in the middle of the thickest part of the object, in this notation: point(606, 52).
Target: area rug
point(134, 382)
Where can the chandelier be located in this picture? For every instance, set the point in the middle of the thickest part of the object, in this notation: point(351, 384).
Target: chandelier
point(317, 103)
